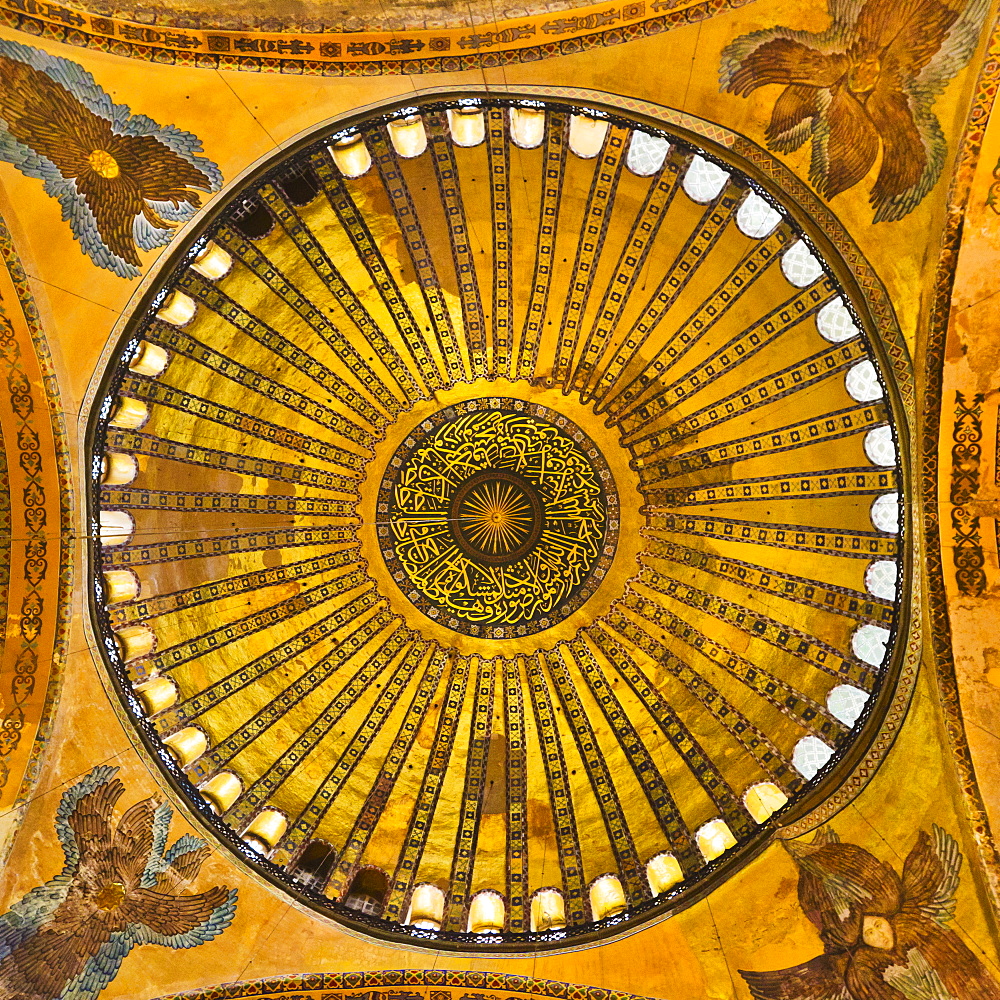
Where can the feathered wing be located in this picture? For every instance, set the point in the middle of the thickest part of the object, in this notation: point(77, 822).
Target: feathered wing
point(60, 119)
point(100, 777)
point(820, 979)
point(931, 875)
point(845, 144)
point(935, 46)
point(185, 921)
point(917, 980)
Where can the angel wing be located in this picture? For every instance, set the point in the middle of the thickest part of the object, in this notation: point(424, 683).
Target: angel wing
point(820, 979)
point(931, 875)
point(917, 980)
point(109, 217)
point(923, 62)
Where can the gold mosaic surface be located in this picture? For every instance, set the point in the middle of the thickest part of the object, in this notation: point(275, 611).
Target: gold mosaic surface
point(707, 358)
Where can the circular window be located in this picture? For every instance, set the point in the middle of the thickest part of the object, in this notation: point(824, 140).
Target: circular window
point(498, 520)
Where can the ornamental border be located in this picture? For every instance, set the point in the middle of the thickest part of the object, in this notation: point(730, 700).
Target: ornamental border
point(35, 564)
point(393, 979)
point(609, 488)
point(359, 53)
point(938, 324)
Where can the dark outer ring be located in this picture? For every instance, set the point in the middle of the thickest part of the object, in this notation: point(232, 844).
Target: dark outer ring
point(530, 494)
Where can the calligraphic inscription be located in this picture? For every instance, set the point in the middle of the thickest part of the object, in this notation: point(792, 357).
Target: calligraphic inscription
point(498, 517)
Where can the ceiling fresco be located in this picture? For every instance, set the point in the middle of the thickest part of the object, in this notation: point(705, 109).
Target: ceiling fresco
point(327, 15)
point(124, 182)
point(495, 498)
point(463, 43)
point(121, 886)
point(865, 85)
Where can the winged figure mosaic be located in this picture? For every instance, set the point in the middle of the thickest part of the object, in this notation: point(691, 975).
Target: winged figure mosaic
point(885, 936)
point(867, 85)
point(121, 886)
point(124, 182)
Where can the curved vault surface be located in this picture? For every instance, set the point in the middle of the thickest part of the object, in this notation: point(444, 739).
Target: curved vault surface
point(483, 514)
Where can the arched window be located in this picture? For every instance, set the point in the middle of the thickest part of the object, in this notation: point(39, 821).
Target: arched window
point(149, 359)
point(663, 871)
point(118, 468)
point(468, 126)
point(300, 185)
point(756, 218)
point(586, 135)
point(157, 695)
point(135, 641)
point(221, 791)
point(714, 838)
point(704, 181)
point(646, 153)
point(809, 755)
point(186, 745)
point(177, 309)
point(548, 911)
point(527, 127)
point(426, 907)
point(367, 892)
point(120, 585)
point(799, 266)
point(130, 414)
point(117, 527)
point(266, 829)
point(314, 866)
point(253, 219)
point(212, 262)
point(408, 135)
point(607, 897)
point(487, 913)
point(763, 799)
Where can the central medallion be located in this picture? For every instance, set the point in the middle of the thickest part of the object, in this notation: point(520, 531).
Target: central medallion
point(498, 517)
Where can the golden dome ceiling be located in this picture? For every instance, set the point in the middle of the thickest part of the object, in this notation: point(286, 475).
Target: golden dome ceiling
point(499, 516)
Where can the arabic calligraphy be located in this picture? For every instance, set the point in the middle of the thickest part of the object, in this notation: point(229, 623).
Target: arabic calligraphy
point(500, 517)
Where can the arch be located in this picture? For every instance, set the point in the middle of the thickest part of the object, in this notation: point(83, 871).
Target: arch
point(221, 791)
point(314, 866)
point(265, 830)
point(587, 135)
point(548, 911)
point(714, 838)
point(368, 891)
point(116, 527)
point(527, 127)
point(468, 126)
point(607, 897)
point(149, 359)
point(426, 907)
point(212, 262)
point(408, 136)
point(663, 872)
point(763, 800)
point(487, 913)
point(253, 219)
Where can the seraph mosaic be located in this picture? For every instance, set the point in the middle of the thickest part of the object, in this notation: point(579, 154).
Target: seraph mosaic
point(125, 183)
point(121, 886)
point(885, 936)
point(866, 85)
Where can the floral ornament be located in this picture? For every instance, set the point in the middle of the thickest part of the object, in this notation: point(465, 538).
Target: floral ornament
point(119, 888)
point(867, 83)
point(885, 936)
point(124, 182)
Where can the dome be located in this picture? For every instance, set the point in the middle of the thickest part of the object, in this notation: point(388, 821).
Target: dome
point(495, 497)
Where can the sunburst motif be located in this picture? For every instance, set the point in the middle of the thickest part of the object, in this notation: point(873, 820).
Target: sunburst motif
point(500, 517)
